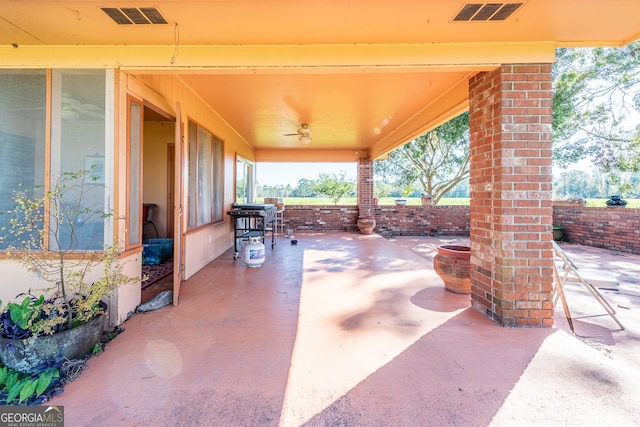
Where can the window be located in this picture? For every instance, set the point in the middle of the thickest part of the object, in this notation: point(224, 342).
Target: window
point(134, 172)
point(205, 177)
point(22, 134)
point(77, 141)
point(244, 181)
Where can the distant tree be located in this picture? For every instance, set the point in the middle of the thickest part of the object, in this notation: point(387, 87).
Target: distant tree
point(334, 186)
point(304, 188)
point(576, 183)
point(382, 188)
point(433, 163)
point(596, 102)
point(278, 190)
point(460, 190)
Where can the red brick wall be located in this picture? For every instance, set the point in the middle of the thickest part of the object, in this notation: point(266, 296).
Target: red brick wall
point(365, 187)
point(422, 220)
point(320, 218)
point(510, 181)
point(610, 228)
point(390, 220)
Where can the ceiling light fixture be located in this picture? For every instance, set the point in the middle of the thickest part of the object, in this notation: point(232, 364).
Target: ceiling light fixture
point(305, 139)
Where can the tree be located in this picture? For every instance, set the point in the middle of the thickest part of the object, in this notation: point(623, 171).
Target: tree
point(434, 162)
point(596, 105)
point(382, 188)
point(334, 186)
point(575, 183)
point(304, 188)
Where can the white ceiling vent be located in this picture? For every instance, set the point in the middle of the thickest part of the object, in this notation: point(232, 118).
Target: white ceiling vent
point(135, 15)
point(483, 12)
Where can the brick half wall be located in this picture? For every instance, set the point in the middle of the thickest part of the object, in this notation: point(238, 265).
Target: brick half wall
point(610, 228)
point(390, 220)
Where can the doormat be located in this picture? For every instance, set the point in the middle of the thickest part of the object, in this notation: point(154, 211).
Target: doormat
point(156, 272)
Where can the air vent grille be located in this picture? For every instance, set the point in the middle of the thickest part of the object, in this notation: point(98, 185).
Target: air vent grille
point(483, 12)
point(135, 15)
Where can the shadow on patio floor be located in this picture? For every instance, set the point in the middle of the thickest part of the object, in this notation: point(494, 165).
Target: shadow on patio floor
point(348, 329)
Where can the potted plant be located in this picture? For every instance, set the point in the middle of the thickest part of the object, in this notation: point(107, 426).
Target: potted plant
point(558, 232)
point(65, 318)
point(426, 199)
point(616, 201)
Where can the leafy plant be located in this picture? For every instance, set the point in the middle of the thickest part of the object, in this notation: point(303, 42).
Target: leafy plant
point(44, 236)
point(23, 387)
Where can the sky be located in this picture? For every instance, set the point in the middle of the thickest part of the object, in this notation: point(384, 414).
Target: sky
point(290, 173)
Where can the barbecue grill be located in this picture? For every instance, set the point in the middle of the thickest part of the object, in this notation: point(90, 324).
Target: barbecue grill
point(252, 219)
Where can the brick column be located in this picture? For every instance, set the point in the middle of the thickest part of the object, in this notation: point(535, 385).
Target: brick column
point(365, 188)
point(511, 180)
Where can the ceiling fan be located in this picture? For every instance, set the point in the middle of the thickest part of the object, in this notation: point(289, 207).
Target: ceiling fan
point(70, 108)
point(304, 134)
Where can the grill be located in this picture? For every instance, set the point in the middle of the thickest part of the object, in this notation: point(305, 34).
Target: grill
point(252, 219)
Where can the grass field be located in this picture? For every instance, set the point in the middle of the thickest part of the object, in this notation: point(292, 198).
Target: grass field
point(602, 203)
point(385, 201)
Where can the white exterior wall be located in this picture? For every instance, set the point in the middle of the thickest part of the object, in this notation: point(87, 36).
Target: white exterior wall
point(202, 245)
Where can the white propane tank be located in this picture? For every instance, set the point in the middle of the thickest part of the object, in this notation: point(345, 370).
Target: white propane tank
point(254, 252)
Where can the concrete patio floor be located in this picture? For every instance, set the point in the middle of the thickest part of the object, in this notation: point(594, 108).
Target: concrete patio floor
point(345, 329)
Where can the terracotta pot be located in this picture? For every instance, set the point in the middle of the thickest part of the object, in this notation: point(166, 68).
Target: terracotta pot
point(366, 225)
point(452, 264)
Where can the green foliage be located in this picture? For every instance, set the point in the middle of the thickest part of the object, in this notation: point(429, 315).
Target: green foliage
point(54, 256)
point(596, 185)
point(25, 313)
point(304, 188)
point(433, 163)
point(596, 94)
point(334, 186)
point(22, 386)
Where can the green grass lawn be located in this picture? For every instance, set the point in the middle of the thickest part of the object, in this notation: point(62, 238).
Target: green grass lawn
point(386, 201)
point(602, 203)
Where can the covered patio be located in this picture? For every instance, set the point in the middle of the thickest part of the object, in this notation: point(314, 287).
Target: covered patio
point(352, 329)
point(191, 92)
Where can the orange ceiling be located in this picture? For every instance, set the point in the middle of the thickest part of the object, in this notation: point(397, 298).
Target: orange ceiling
point(365, 74)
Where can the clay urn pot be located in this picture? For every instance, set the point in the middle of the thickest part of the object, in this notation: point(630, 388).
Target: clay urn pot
point(452, 264)
point(366, 224)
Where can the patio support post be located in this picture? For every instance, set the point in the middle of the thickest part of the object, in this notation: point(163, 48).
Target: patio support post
point(365, 188)
point(511, 183)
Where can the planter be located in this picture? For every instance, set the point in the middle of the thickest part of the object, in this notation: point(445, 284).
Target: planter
point(558, 233)
point(401, 202)
point(426, 201)
point(30, 356)
point(452, 264)
point(616, 202)
point(366, 225)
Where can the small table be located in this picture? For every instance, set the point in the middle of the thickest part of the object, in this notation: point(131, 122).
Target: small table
point(279, 221)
